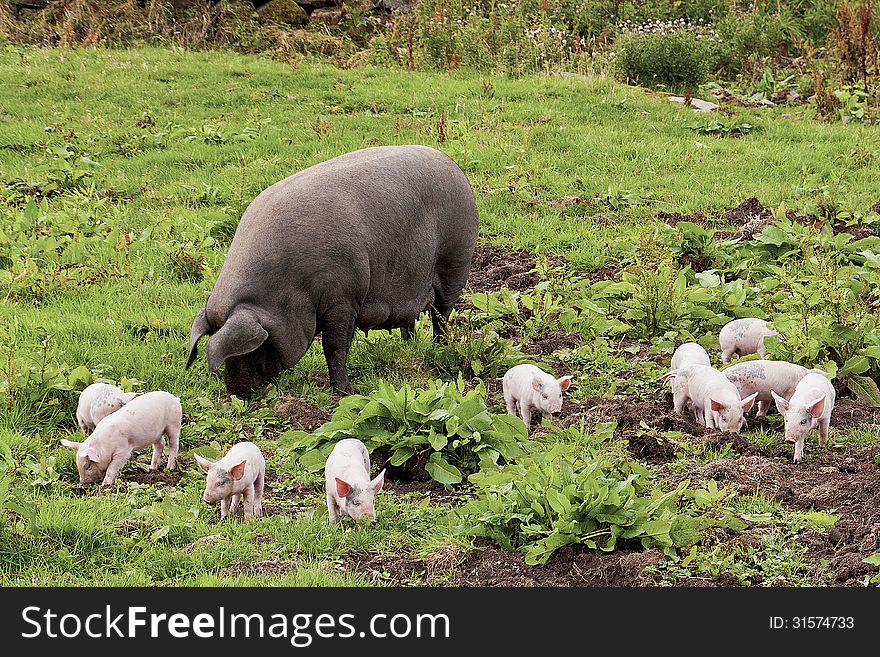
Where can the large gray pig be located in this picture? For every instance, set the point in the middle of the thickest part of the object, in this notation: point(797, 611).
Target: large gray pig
point(369, 239)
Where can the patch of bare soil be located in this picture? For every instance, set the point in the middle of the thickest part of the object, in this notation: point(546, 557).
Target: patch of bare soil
point(853, 413)
point(433, 488)
point(267, 567)
point(844, 482)
point(494, 267)
point(492, 566)
point(301, 414)
point(553, 341)
point(747, 211)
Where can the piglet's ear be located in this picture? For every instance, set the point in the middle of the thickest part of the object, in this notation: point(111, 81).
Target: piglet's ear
point(71, 443)
point(378, 482)
point(237, 471)
point(342, 487)
point(536, 383)
point(716, 406)
point(565, 382)
point(204, 463)
point(781, 404)
point(817, 407)
point(748, 402)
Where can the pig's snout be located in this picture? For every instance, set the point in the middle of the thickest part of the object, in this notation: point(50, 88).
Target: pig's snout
point(789, 439)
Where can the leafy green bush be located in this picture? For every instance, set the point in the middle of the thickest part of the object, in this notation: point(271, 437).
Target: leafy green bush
point(677, 60)
point(560, 497)
point(442, 427)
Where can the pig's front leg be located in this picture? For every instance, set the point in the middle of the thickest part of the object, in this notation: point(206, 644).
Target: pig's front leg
point(332, 513)
point(824, 425)
point(763, 407)
point(224, 507)
point(249, 501)
point(157, 454)
point(708, 418)
point(233, 507)
point(526, 413)
point(116, 464)
point(799, 450)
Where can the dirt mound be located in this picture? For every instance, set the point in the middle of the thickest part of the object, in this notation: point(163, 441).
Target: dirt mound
point(494, 267)
point(301, 414)
point(747, 211)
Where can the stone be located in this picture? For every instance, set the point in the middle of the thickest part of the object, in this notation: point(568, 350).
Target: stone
point(696, 103)
point(283, 11)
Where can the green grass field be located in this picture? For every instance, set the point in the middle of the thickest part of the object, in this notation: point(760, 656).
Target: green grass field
point(177, 143)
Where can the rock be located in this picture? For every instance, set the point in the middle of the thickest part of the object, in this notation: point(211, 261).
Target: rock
point(283, 11)
point(695, 103)
point(330, 15)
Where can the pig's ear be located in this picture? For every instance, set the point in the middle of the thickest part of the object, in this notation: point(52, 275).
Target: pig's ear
point(240, 335)
point(237, 471)
point(817, 407)
point(565, 382)
point(200, 327)
point(72, 444)
point(342, 487)
point(748, 402)
point(378, 482)
point(537, 384)
point(716, 406)
point(781, 404)
point(204, 463)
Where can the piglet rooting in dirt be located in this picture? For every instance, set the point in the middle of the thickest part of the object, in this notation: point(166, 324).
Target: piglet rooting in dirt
point(349, 489)
point(809, 408)
point(98, 401)
point(743, 337)
point(715, 401)
point(143, 421)
point(528, 387)
point(240, 473)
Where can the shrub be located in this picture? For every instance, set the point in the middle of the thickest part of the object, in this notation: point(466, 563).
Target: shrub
point(676, 60)
point(442, 428)
point(547, 500)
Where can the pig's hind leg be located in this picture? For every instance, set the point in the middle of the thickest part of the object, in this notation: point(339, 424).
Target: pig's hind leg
point(173, 433)
point(248, 495)
point(158, 446)
point(259, 485)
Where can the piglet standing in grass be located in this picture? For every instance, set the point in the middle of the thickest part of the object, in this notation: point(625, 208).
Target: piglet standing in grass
point(528, 387)
point(715, 400)
point(143, 421)
point(689, 353)
point(98, 401)
point(809, 408)
point(241, 473)
point(743, 337)
point(350, 492)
